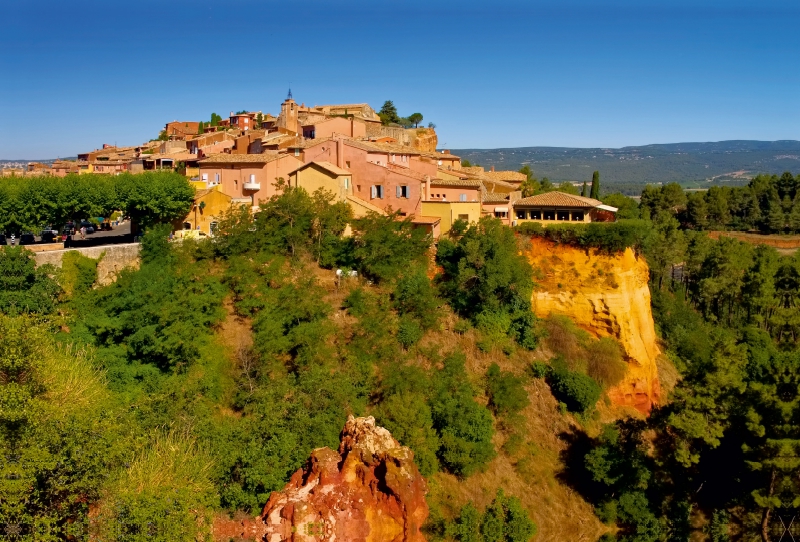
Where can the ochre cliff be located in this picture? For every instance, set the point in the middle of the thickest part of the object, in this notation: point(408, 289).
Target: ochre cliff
point(424, 139)
point(368, 491)
point(608, 296)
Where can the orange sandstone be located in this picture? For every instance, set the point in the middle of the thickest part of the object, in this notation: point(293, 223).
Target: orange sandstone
point(608, 296)
point(368, 491)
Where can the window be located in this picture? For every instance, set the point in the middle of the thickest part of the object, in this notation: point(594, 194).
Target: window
point(577, 216)
point(520, 214)
point(563, 215)
point(536, 215)
point(500, 214)
point(549, 215)
point(213, 227)
point(187, 226)
point(216, 178)
point(376, 191)
point(392, 157)
point(246, 121)
point(347, 183)
point(236, 183)
point(462, 197)
point(464, 217)
point(402, 191)
point(297, 152)
point(347, 163)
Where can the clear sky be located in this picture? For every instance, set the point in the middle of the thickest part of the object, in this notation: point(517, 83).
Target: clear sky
point(582, 73)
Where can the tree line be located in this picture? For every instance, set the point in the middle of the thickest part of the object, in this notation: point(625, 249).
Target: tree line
point(30, 203)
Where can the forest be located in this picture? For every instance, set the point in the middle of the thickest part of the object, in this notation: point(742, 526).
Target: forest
point(196, 384)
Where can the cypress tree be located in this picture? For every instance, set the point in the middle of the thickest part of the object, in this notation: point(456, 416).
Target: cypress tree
point(583, 191)
point(595, 185)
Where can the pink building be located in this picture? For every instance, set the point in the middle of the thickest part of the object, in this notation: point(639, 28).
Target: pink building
point(332, 126)
point(247, 175)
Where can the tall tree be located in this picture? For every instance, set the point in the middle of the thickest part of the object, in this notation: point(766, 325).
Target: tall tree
point(595, 185)
point(388, 113)
point(415, 119)
point(584, 191)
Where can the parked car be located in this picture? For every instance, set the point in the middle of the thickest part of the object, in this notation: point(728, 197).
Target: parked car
point(3, 240)
point(27, 238)
point(50, 236)
point(88, 225)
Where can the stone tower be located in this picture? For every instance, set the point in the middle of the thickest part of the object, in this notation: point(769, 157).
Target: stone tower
point(288, 117)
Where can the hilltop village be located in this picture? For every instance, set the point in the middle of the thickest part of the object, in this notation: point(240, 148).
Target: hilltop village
point(346, 149)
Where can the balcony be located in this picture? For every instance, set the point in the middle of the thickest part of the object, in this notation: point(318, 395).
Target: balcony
point(251, 185)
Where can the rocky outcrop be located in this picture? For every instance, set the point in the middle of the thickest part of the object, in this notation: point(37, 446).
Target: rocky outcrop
point(608, 296)
point(424, 139)
point(368, 491)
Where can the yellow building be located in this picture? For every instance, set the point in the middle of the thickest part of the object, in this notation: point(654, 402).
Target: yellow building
point(553, 207)
point(315, 175)
point(207, 210)
point(450, 211)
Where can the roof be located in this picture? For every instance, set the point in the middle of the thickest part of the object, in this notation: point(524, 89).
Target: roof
point(425, 219)
point(558, 199)
point(242, 158)
point(454, 173)
point(472, 183)
point(439, 156)
point(514, 176)
point(472, 169)
point(367, 205)
point(494, 197)
point(326, 166)
point(404, 171)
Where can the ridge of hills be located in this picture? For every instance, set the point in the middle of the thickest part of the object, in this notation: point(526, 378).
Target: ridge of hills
point(733, 161)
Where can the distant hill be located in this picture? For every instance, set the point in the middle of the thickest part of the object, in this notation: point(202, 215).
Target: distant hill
point(724, 161)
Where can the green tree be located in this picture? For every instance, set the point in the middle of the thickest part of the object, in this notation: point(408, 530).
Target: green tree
point(505, 390)
point(568, 188)
point(527, 171)
point(595, 193)
point(415, 119)
point(201, 127)
point(485, 273)
point(388, 113)
point(25, 288)
point(584, 190)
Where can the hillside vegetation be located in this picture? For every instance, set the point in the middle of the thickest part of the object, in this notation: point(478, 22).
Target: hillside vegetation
point(195, 385)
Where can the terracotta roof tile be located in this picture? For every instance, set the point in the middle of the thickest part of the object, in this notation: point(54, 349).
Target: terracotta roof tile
point(472, 183)
point(514, 176)
point(558, 199)
point(494, 197)
point(242, 158)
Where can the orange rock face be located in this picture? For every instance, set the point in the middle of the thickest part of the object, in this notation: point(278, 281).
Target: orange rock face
point(608, 296)
point(425, 139)
point(368, 491)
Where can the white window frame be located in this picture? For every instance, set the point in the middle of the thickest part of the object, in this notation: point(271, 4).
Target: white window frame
point(462, 197)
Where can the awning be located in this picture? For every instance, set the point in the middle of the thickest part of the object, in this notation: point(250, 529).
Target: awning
point(501, 209)
point(608, 208)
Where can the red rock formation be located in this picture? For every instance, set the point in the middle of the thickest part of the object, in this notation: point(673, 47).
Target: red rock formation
point(368, 491)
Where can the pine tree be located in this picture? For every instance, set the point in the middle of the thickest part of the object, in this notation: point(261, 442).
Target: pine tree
point(201, 127)
point(595, 185)
point(584, 191)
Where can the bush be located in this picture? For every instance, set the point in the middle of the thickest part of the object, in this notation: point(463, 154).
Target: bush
point(605, 236)
point(409, 332)
point(605, 363)
point(506, 392)
point(578, 391)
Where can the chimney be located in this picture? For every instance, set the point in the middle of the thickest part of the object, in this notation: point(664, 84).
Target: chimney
point(492, 170)
point(231, 114)
point(445, 152)
point(339, 152)
point(427, 194)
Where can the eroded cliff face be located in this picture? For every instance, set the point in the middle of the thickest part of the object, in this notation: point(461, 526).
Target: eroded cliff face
point(424, 139)
point(368, 491)
point(608, 296)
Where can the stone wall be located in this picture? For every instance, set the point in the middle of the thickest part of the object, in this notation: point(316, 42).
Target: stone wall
point(113, 259)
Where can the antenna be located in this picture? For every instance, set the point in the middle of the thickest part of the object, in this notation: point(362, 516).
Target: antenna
point(289, 96)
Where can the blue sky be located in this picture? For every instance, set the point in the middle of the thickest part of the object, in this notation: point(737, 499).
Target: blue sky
point(576, 73)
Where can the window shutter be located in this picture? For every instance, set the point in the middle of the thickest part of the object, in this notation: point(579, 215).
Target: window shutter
point(373, 191)
point(463, 197)
point(399, 192)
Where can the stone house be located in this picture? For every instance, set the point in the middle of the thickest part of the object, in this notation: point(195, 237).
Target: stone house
point(552, 207)
point(247, 175)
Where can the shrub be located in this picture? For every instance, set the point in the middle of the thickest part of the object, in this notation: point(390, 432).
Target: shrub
point(409, 332)
point(605, 236)
point(506, 392)
point(578, 391)
point(604, 362)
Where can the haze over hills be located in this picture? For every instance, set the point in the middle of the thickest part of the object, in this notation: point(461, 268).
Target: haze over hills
point(681, 162)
